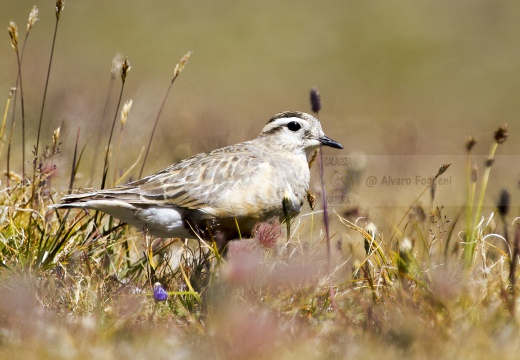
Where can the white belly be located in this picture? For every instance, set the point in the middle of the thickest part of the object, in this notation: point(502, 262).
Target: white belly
point(160, 221)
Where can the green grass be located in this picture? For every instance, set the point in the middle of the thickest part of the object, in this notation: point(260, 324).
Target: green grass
point(435, 283)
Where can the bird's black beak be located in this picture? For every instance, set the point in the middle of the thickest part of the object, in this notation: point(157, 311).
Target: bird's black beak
point(325, 140)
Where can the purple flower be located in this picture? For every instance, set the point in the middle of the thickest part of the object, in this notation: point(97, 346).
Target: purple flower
point(159, 294)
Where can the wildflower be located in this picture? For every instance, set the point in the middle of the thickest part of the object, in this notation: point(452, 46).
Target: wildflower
point(267, 234)
point(159, 294)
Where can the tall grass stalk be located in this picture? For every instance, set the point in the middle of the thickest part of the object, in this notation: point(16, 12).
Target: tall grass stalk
point(117, 63)
point(124, 116)
point(4, 119)
point(471, 180)
point(33, 17)
point(501, 135)
point(315, 100)
point(13, 33)
point(125, 68)
point(471, 184)
point(442, 170)
point(176, 72)
point(60, 4)
point(515, 256)
point(327, 231)
point(75, 162)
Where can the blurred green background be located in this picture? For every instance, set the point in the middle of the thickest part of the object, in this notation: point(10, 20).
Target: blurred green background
point(396, 77)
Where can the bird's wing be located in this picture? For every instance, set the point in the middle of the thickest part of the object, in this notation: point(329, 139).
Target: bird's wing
point(203, 180)
point(217, 180)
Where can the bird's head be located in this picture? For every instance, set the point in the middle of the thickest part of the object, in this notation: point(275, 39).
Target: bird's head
point(296, 131)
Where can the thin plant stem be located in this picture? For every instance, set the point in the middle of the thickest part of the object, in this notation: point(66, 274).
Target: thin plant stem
point(74, 159)
point(45, 92)
point(100, 133)
point(178, 68)
point(105, 166)
point(124, 116)
point(18, 81)
point(471, 242)
point(4, 119)
point(154, 127)
point(120, 137)
point(327, 231)
point(441, 171)
point(19, 60)
point(472, 186)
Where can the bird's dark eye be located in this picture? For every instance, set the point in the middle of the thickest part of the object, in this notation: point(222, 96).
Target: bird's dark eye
point(294, 126)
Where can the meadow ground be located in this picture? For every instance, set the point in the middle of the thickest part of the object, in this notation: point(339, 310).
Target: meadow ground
point(419, 258)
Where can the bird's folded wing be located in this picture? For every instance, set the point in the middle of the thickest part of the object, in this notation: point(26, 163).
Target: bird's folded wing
point(204, 180)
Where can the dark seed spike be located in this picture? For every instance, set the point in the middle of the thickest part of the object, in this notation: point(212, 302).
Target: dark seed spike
point(501, 134)
point(315, 100)
point(442, 170)
point(472, 141)
point(504, 203)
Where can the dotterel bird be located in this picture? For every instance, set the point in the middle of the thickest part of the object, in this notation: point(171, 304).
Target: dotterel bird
point(216, 192)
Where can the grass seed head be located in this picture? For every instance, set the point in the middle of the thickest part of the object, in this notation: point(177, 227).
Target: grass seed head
point(181, 65)
point(504, 203)
point(315, 100)
point(117, 64)
point(13, 34)
point(311, 199)
point(55, 138)
point(442, 170)
point(472, 141)
point(33, 17)
point(125, 68)
point(60, 5)
point(125, 111)
point(371, 228)
point(404, 260)
point(501, 134)
point(405, 246)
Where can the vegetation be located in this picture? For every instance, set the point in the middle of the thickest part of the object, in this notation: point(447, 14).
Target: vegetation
point(440, 282)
